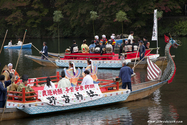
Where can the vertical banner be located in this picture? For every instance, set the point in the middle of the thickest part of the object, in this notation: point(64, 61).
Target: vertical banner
point(155, 33)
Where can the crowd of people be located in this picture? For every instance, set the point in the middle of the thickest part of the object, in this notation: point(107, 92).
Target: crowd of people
point(107, 46)
point(97, 46)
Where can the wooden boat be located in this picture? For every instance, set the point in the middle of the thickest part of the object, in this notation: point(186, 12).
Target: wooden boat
point(56, 55)
point(40, 61)
point(25, 46)
point(139, 91)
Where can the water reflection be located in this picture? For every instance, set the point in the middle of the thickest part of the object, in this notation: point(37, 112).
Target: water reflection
point(97, 116)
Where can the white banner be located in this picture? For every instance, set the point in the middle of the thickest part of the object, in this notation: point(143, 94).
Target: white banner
point(155, 33)
point(70, 95)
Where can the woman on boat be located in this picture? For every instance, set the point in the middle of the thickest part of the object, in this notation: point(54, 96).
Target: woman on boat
point(19, 42)
point(87, 80)
point(91, 68)
point(64, 82)
point(84, 47)
point(92, 46)
point(9, 71)
point(72, 74)
point(49, 84)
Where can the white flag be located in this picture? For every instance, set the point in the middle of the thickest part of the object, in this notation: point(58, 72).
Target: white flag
point(155, 33)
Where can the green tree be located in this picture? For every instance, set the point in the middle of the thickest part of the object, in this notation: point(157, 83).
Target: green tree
point(121, 17)
point(56, 18)
point(93, 16)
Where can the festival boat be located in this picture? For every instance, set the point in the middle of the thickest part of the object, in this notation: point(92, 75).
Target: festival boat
point(105, 92)
point(25, 46)
point(110, 60)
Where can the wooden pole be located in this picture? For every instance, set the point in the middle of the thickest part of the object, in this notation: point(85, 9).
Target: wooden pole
point(4, 40)
point(45, 56)
point(137, 54)
point(21, 49)
point(15, 69)
point(141, 59)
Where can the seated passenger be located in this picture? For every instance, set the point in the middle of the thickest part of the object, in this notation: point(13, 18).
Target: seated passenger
point(19, 42)
point(49, 84)
point(10, 43)
point(27, 87)
point(113, 42)
point(96, 39)
point(87, 80)
point(134, 46)
point(146, 43)
point(109, 47)
point(97, 48)
point(129, 46)
point(64, 82)
point(92, 47)
point(103, 39)
point(84, 47)
point(9, 71)
point(103, 48)
point(74, 47)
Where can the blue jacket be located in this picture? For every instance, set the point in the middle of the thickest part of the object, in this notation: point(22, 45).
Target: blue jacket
point(142, 49)
point(3, 91)
point(45, 49)
point(125, 74)
point(91, 46)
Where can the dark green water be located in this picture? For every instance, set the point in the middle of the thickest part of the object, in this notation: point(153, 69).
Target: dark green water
point(169, 103)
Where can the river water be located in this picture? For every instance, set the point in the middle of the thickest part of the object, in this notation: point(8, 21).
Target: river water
point(168, 104)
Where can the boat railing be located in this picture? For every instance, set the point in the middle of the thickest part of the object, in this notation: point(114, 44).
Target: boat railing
point(22, 97)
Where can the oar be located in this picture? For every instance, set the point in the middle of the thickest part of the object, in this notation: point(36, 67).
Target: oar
point(14, 71)
point(45, 56)
point(142, 59)
point(137, 54)
point(4, 40)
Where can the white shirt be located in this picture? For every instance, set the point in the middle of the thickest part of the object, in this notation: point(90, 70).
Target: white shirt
point(131, 38)
point(87, 80)
point(10, 44)
point(50, 87)
point(63, 83)
point(19, 43)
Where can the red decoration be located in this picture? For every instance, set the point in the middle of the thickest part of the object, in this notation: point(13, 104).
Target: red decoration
point(166, 38)
point(72, 89)
point(77, 88)
point(55, 92)
point(44, 93)
point(92, 86)
point(81, 88)
point(87, 86)
point(49, 92)
point(59, 91)
point(67, 89)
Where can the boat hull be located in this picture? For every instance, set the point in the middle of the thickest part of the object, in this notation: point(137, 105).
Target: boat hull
point(42, 62)
point(136, 94)
point(25, 46)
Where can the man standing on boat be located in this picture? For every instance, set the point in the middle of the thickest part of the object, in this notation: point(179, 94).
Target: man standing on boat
point(125, 75)
point(141, 50)
point(74, 47)
point(3, 90)
point(131, 36)
point(44, 51)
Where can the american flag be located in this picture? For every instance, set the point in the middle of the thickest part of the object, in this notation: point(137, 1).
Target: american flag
point(153, 71)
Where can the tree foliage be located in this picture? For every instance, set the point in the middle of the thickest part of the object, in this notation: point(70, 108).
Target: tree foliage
point(37, 16)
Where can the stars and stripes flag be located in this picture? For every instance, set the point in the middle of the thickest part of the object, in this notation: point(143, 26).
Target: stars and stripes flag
point(153, 71)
